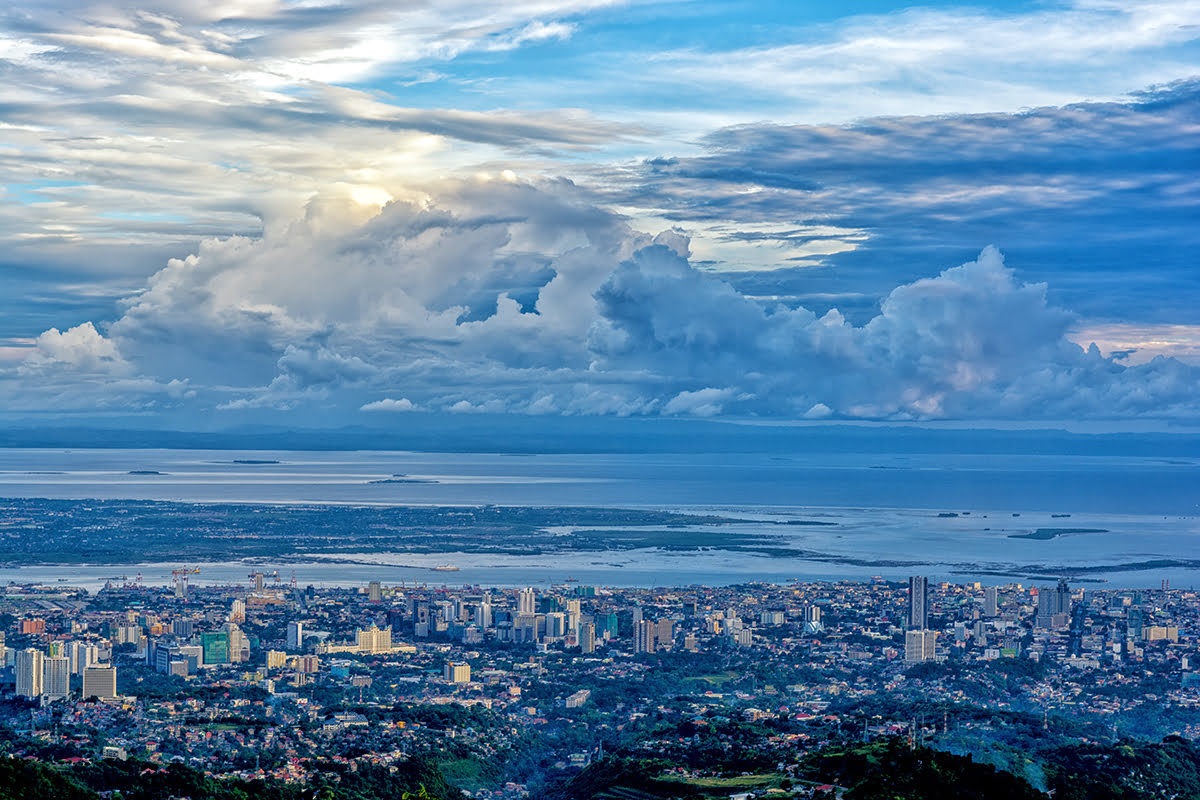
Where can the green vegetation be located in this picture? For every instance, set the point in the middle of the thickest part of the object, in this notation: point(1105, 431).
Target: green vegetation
point(892, 771)
point(22, 779)
point(133, 531)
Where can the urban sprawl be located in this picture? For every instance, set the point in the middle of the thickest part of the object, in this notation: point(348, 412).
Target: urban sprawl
point(513, 690)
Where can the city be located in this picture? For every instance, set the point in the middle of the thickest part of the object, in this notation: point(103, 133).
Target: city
point(510, 693)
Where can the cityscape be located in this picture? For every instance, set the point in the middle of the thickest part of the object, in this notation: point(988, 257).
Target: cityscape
point(576, 690)
point(599, 400)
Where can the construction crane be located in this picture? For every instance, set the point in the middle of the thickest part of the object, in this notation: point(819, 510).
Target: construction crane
point(180, 577)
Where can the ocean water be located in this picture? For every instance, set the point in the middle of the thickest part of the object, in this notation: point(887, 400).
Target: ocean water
point(884, 508)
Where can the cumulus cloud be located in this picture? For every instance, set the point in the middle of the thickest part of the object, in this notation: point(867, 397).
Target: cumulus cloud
point(557, 306)
point(80, 349)
point(388, 404)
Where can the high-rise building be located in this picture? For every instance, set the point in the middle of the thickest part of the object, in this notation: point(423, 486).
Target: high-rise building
point(28, 672)
point(918, 602)
point(375, 640)
point(237, 613)
point(216, 647)
point(920, 645)
point(82, 656)
point(295, 635)
point(276, 659)
point(664, 634)
point(56, 678)
point(457, 672)
point(587, 638)
point(644, 637)
point(239, 645)
point(556, 625)
point(100, 681)
point(374, 592)
point(526, 602)
point(812, 620)
point(1054, 606)
point(483, 614)
point(183, 628)
point(990, 601)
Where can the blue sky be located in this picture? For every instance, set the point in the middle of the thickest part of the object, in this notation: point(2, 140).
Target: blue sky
point(324, 212)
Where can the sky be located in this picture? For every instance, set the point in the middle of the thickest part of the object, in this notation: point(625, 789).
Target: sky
point(341, 213)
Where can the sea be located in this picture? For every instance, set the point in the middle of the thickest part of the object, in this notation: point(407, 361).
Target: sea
point(949, 516)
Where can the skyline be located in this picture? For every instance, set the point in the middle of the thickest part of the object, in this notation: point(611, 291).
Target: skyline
point(331, 214)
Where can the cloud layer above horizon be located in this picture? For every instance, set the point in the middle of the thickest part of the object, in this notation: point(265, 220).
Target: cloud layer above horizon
point(558, 306)
point(341, 211)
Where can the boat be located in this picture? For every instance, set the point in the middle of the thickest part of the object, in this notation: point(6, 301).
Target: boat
point(445, 568)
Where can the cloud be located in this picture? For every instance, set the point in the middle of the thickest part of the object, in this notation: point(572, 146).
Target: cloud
point(700, 403)
point(79, 349)
point(556, 306)
point(388, 404)
point(1085, 195)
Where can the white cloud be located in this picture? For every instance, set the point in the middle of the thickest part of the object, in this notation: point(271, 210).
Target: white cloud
point(557, 306)
point(951, 60)
point(388, 404)
point(82, 349)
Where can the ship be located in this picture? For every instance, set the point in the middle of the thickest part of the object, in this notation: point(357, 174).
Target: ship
point(445, 568)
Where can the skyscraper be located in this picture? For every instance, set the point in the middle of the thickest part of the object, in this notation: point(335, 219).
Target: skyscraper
point(1054, 606)
point(990, 604)
point(295, 635)
point(374, 592)
point(56, 678)
point(918, 602)
point(28, 671)
point(239, 645)
point(645, 635)
point(587, 638)
point(526, 602)
point(664, 633)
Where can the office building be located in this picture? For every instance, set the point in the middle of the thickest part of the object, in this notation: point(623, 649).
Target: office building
point(100, 681)
point(587, 638)
point(556, 625)
point(216, 647)
point(237, 613)
point(374, 592)
point(295, 636)
point(990, 601)
point(918, 602)
point(1054, 606)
